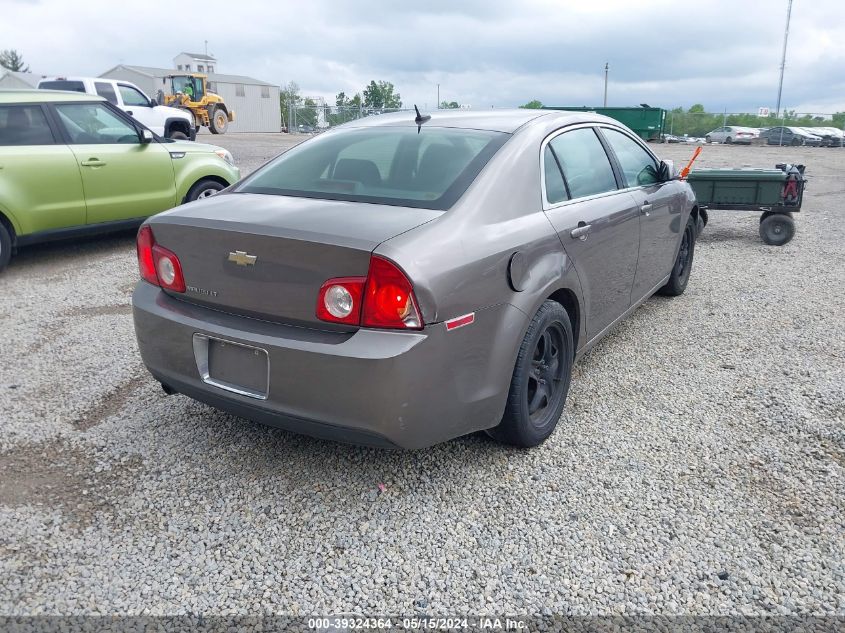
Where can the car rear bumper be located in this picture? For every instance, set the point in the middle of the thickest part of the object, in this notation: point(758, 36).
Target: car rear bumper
point(374, 387)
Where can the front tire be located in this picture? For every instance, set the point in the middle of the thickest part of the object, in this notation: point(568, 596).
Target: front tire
point(679, 277)
point(540, 379)
point(218, 120)
point(205, 188)
point(5, 246)
point(707, 139)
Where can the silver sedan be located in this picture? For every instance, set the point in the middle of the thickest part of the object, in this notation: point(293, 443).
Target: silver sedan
point(403, 280)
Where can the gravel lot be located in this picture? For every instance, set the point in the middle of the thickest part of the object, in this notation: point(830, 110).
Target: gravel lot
point(699, 467)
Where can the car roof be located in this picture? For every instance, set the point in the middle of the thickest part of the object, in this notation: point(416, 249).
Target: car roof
point(494, 120)
point(45, 96)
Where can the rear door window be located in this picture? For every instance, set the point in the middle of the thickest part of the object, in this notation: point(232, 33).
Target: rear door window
point(93, 123)
point(584, 162)
point(105, 89)
point(24, 125)
point(555, 187)
point(62, 84)
point(429, 168)
point(638, 166)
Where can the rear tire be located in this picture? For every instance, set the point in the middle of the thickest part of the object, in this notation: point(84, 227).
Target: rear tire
point(728, 141)
point(682, 267)
point(5, 246)
point(218, 120)
point(204, 188)
point(540, 379)
point(795, 142)
point(777, 229)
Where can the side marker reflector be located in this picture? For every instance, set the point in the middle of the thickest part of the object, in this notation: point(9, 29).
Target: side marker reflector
point(460, 321)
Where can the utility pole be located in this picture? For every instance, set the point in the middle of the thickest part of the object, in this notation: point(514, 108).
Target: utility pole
point(783, 56)
point(606, 68)
point(438, 97)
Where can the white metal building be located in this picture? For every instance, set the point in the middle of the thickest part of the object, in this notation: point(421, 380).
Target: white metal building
point(255, 102)
point(10, 79)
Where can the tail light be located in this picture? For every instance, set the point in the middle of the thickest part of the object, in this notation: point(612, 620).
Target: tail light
point(383, 299)
point(158, 265)
point(340, 300)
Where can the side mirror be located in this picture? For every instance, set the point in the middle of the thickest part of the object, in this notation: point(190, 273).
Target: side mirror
point(146, 136)
point(153, 102)
point(666, 171)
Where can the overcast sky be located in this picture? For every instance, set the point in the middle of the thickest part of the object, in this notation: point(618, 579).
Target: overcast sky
point(722, 53)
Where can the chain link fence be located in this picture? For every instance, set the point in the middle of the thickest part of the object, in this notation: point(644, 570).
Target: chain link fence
point(311, 119)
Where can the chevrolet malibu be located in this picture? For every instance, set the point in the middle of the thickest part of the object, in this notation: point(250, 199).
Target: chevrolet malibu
point(401, 281)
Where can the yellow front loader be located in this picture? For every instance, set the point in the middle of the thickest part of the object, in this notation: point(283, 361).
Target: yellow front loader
point(188, 91)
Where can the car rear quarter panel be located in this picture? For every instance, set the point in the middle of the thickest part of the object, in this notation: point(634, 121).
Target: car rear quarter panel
point(459, 263)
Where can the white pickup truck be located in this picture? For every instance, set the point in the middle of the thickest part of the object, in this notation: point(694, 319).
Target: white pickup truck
point(163, 120)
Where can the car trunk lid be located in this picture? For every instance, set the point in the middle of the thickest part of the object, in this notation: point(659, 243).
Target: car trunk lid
point(266, 256)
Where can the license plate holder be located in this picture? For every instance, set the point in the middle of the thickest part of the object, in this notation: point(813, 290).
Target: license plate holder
point(233, 366)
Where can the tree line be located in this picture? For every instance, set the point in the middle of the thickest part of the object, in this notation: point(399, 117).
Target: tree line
point(10, 59)
point(377, 95)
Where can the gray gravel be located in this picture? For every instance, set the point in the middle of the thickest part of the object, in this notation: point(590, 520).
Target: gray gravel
point(699, 467)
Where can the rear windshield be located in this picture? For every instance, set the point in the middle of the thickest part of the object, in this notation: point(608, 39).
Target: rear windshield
point(428, 168)
point(72, 86)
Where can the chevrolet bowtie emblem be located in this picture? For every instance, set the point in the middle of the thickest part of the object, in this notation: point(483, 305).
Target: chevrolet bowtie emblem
point(242, 258)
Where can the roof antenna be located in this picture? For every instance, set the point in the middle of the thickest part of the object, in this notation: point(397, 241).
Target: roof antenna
point(420, 119)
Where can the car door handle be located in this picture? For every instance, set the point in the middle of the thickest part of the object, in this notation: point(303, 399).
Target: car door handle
point(645, 209)
point(581, 232)
point(92, 162)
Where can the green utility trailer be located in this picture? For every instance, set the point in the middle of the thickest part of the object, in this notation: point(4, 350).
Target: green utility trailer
point(776, 193)
point(646, 122)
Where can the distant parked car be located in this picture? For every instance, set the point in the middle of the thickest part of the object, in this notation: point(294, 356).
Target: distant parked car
point(73, 163)
point(732, 134)
point(794, 136)
point(830, 136)
point(671, 138)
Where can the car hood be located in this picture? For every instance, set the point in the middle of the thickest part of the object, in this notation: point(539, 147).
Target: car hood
point(174, 112)
point(192, 147)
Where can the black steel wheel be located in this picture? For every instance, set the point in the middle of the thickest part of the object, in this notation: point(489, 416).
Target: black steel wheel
point(682, 268)
point(777, 229)
point(540, 379)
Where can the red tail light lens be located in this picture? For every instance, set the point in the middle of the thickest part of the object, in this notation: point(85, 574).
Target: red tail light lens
point(145, 255)
point(158, 265)
point(339, 300)
point(384, 299)
point(389, 300)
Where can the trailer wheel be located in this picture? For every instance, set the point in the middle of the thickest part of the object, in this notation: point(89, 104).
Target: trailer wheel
point(777, 229)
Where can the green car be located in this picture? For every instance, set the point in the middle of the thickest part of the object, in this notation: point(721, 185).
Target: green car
point(72, 163)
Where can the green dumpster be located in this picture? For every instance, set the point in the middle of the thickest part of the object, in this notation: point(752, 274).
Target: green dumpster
point(762, 187)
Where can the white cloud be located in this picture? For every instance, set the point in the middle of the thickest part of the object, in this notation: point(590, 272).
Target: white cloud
point(722, 54)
